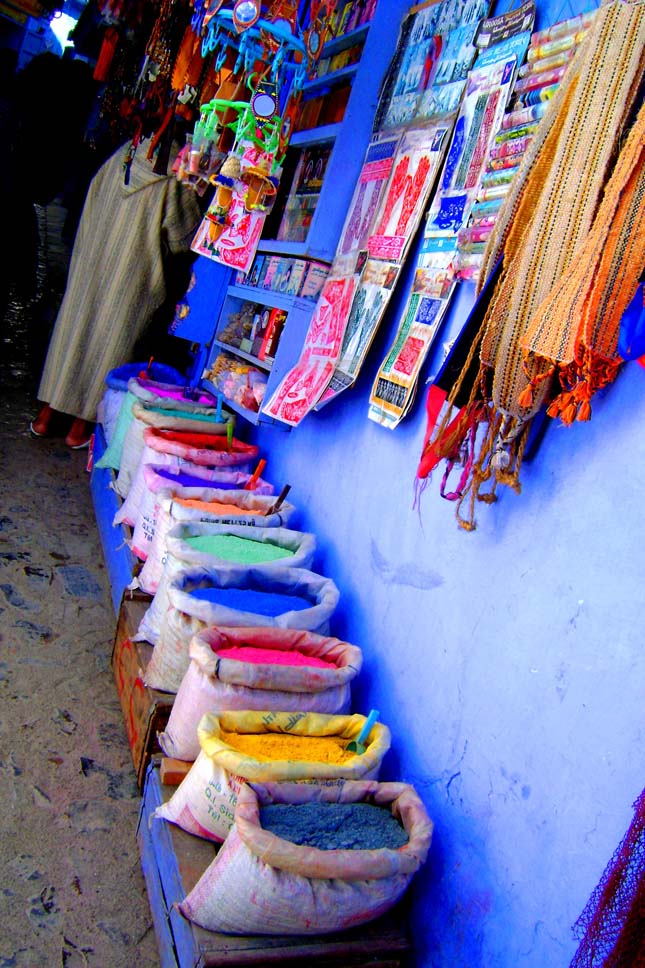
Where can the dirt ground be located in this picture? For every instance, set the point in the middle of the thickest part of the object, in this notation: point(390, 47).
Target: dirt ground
point(71, 889)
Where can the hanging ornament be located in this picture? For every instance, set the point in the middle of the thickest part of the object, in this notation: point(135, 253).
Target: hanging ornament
point(313, 38)
point(246, 13)
point(288, 122)
point(283, 13)
point(264, 104)
point(261, 185)
point(211, 10)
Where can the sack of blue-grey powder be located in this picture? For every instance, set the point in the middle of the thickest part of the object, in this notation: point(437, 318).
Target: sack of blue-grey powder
point(260, 882)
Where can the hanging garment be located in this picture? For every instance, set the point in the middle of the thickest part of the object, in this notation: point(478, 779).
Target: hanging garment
point(541, 232)
point(560, 191)
point(117, 279)
point(575, 330)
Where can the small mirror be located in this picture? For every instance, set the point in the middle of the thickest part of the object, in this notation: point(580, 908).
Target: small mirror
point(263, 105)
point(313, 43)
point(245, 14)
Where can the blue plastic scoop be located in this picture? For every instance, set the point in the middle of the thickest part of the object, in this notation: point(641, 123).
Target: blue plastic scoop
point(357, 745)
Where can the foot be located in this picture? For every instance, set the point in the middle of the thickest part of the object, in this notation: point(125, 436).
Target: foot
point(79, 434)
point(40, 426)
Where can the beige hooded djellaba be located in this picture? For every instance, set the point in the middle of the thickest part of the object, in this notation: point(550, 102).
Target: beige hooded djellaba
point(117, 278)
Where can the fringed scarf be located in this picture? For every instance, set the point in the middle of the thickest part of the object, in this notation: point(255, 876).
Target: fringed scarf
point(547, 229)
point(575, 331)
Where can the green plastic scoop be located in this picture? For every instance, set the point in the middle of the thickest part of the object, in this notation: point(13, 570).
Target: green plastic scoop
point(357, 745)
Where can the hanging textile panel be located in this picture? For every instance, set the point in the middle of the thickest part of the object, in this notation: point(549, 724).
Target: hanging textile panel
point(487, 91)
point(551, 212)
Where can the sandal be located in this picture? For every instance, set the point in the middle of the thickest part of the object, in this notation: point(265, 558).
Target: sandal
point(80, 434)
point(41, 425)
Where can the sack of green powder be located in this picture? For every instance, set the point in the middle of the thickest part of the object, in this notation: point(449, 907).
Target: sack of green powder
point(262, 883)
point(222, 548)
point(258, 668)
point(111, 456)
point(288, 598)
point(204, 802)
point(169, 511)
point(168, 398)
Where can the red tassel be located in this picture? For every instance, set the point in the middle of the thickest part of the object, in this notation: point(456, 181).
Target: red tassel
point(584, 410)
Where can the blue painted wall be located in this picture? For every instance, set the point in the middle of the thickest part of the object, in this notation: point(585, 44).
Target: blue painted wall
point(508, 662)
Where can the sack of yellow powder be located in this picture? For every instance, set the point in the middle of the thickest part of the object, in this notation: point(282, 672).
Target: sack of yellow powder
point(288, 598)
point(258, 668)
point(262, 883)
point(225, 548)
point(267, 747)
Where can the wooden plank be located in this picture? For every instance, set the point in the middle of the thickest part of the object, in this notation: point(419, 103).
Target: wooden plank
point(172, 772)
point(163, 934)
point(145, 711)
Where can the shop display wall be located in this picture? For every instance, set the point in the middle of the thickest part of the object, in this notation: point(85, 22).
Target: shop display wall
point(507, 661)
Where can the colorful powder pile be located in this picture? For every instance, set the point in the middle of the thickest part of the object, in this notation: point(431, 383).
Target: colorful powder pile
point(250, 653)
point(284, 746)
point(251, 600)
point(242, 550)
point(217, 507)
point(334, 826)
point(204, 417)
point(188, 480)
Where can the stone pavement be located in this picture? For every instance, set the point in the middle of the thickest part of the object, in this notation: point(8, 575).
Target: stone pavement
point(71, 889)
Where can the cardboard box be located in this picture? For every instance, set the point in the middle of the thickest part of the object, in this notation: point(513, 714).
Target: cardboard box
point(145, 711)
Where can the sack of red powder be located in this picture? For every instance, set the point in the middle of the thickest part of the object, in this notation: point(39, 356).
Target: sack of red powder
point(258, 668)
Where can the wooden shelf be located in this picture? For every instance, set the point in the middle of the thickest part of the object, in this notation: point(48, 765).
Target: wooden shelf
point(251, 415)
point(337, 44)
point(315, 136)
point(329, 80)
point(236, 351)
point(266, 297)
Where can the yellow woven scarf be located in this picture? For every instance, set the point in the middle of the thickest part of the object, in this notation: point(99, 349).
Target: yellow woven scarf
point(560, 195)
point(563, 284)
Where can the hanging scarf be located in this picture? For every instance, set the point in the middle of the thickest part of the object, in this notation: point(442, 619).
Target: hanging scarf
point(540, 234)
point(575, 330)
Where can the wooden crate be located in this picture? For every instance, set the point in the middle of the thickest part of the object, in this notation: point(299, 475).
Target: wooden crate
point(173, 861)
point(145, 711)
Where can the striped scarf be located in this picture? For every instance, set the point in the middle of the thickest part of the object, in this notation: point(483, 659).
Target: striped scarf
point(568, 234)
